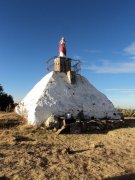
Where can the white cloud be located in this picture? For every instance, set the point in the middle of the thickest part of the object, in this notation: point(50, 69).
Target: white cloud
point(123, 91)
point(107, 66)
point(130, 50)
point(125, 67)
point(122, 97)
point(133, 57)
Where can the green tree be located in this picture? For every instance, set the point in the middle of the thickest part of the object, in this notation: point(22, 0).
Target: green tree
point(6, 101)
point(1, 89)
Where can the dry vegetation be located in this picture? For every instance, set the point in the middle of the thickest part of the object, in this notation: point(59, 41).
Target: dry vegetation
point(127, 112)
point(33, 153)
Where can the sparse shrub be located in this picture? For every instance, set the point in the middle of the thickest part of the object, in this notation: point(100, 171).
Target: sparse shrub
point(127, 112)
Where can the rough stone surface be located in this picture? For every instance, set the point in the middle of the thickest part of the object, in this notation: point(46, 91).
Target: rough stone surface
point(52, 122)
point(54, 94)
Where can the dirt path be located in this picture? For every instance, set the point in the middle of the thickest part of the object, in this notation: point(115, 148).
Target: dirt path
point(33, 153)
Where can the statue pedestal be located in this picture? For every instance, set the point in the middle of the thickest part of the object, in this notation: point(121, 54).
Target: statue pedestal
point(63, 64)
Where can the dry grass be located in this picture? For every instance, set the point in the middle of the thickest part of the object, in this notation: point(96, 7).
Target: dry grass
point(127, 112)
point(33, 153)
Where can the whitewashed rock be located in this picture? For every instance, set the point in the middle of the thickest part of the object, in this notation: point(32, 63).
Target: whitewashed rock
point(54, 94)
point(52, 122)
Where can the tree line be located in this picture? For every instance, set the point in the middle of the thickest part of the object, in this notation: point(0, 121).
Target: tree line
point(6, 101)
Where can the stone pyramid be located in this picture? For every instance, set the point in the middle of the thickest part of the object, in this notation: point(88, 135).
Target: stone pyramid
point(55, 94)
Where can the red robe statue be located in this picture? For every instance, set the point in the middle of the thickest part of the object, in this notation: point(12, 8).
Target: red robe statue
point(62, 48)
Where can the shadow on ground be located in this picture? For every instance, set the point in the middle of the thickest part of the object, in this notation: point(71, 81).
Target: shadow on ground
point(123, 177)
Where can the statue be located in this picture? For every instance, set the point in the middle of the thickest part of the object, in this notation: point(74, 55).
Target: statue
point(62, 47)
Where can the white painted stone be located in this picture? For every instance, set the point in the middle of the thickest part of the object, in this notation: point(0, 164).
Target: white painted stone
point(54, 94)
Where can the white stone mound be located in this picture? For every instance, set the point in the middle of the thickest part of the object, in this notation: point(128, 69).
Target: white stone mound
point(54, 94)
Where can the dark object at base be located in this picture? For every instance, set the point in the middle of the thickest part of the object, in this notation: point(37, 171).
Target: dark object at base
point(88, 126)
point(76, 128)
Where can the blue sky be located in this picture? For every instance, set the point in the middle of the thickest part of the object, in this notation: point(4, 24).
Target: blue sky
point(101, 33)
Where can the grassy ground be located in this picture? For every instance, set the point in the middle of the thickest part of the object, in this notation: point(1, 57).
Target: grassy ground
point(33, 153)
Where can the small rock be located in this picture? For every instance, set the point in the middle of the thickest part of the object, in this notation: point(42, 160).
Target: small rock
point(92, 145)
point(52, 122)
